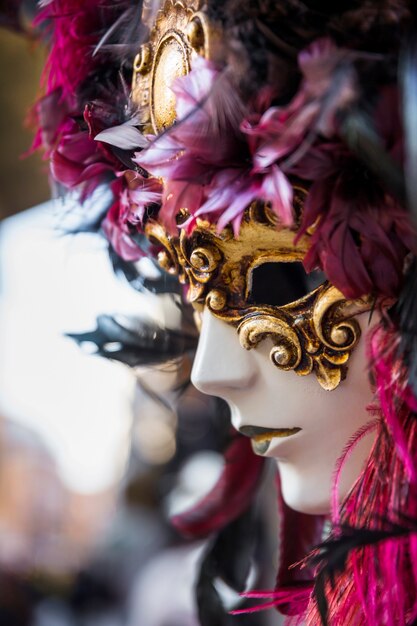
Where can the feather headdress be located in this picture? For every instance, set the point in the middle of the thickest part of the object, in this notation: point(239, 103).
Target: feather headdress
point(299, 89)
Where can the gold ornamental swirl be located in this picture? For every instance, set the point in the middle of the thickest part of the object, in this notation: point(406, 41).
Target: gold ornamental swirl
point(316, 333)
point(195, 260)
point(180, 30)
point(286, 352)
point(312, 334)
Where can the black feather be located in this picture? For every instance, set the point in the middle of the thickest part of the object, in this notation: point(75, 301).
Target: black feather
point(404, 314)
point(17, 15)
point(229, 558)
point(146, 344)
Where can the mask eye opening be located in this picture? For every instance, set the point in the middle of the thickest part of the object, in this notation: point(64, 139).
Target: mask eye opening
point(279, 283)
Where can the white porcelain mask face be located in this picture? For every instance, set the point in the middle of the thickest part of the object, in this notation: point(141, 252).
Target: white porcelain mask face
point(314, 424)
point(284, 350)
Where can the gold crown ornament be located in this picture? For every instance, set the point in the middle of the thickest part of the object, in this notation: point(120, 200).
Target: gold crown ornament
point(180, 30)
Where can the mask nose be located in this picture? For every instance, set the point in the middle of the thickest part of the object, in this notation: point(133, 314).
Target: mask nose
point(220, 362)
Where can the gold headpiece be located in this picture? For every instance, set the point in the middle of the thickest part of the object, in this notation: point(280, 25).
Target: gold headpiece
point(180, 31)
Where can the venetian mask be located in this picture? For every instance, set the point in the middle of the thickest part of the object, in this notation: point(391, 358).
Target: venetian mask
point(268, 334)
point(274, 340)
point(255, 283)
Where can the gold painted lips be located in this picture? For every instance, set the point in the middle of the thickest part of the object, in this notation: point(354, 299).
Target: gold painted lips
point(262, 437)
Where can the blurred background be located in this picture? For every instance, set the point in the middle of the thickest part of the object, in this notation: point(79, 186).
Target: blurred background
point(23, 182)
point(94, 455)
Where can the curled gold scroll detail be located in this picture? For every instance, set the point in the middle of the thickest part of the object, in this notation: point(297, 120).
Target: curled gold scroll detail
point(286, 352)
point(308, 335)
point(316, 333)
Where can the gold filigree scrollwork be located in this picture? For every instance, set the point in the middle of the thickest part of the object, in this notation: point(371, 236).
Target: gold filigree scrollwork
point(311, 334)
point(168, 254)
point(216, 300)
point(316, 333)
point(194, 259)
point(179, 31)
point(200, 265)
point(287, 351)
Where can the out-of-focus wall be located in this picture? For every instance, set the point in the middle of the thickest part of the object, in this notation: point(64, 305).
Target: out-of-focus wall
point(23, 182)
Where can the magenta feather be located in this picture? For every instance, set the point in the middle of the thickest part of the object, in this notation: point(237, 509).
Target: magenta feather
point(372, 557)
point(349, 448)
point(207, 149)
